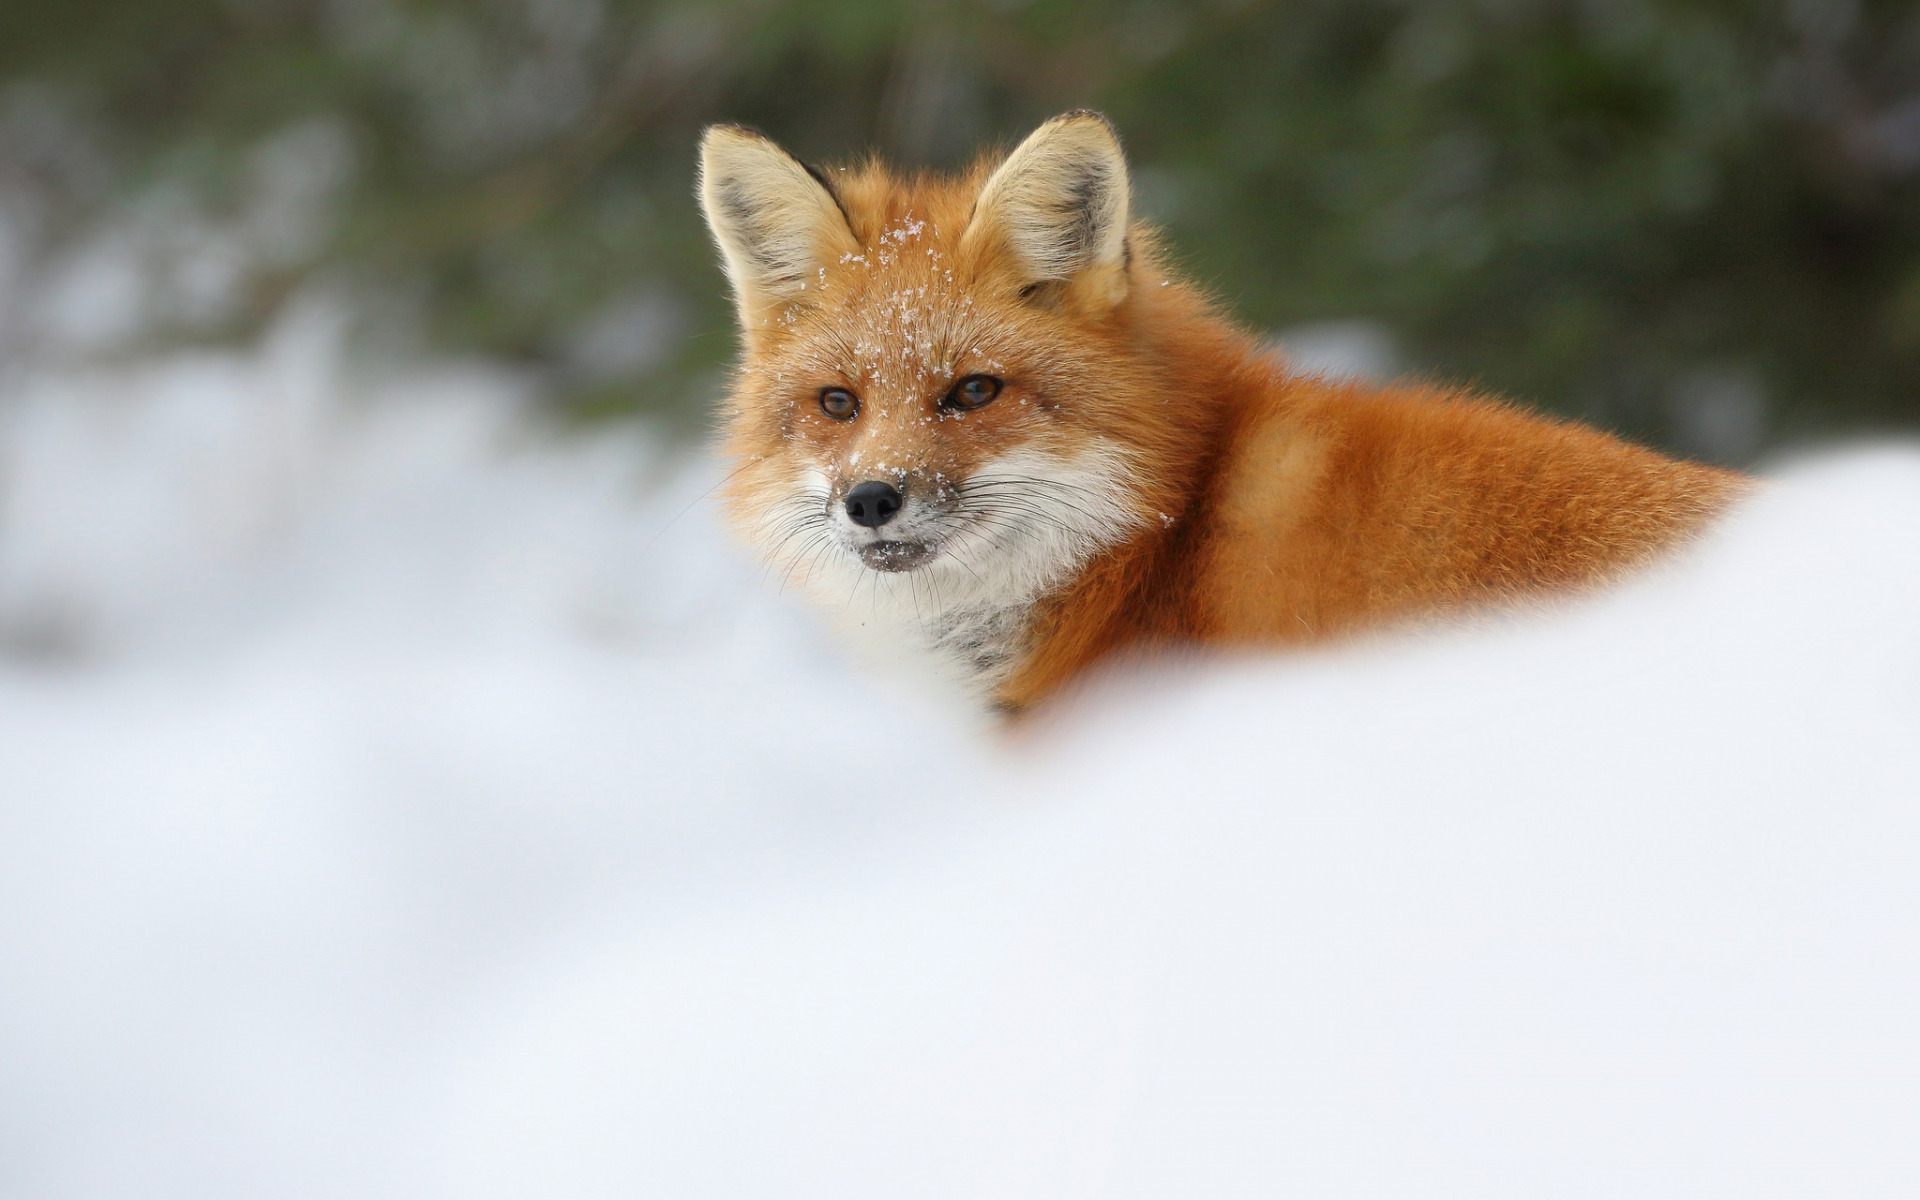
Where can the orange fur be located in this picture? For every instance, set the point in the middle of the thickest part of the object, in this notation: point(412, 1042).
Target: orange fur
point(1261, 506)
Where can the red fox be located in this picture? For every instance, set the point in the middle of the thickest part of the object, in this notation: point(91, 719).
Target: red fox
point(977, 416)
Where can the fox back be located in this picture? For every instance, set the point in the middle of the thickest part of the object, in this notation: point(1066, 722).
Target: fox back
point(978, 420)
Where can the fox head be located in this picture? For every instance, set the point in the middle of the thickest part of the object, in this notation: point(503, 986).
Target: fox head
point(949, 393)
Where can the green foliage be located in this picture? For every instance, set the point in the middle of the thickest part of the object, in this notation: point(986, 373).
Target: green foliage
point(1631, 211)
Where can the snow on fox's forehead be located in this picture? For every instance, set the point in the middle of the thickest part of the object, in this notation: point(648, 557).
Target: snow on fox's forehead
point(899, 316)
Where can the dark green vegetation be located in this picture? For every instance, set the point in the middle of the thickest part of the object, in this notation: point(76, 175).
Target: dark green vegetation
point(1698, 223)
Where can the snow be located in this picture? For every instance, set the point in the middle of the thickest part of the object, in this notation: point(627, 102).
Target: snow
point(400, 800)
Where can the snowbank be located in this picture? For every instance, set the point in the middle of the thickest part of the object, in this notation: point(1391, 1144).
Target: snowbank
point(398, 802)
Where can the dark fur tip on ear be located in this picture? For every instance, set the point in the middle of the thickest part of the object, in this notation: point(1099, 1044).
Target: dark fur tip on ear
point(1090, 116)
point(1087, 114)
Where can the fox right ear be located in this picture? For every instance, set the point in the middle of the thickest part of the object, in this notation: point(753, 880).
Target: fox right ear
point(1060, 204)
point(776, 222)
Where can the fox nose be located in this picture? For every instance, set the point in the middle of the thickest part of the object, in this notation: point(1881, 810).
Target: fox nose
point(873, 503)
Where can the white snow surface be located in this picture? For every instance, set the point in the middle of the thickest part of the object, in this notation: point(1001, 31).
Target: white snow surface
point(399, 801)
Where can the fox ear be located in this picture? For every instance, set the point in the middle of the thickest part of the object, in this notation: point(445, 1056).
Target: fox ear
point(775, 221)
point(1060, 204)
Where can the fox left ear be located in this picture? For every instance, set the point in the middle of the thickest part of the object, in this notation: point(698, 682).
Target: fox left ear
point(1059, 204)
point(776, 221)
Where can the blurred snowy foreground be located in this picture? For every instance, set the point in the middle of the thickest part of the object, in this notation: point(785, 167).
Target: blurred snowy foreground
point(397, 801)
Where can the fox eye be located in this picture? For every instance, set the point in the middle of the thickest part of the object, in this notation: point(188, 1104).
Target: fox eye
point(972, 392)
point(839, 403)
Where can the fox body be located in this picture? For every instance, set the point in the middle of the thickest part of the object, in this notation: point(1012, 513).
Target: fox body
point(976, 417)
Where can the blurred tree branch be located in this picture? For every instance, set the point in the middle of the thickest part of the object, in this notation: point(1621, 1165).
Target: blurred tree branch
point(1590, 205)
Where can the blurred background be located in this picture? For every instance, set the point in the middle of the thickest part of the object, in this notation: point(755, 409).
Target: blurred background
point(1693, 222)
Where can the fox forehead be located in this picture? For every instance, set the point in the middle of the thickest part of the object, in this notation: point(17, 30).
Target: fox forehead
point(899, 318)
